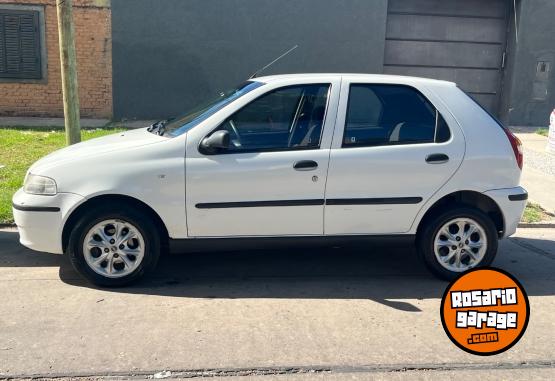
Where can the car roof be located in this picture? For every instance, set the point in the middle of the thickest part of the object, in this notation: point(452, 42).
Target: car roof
point(383, 78)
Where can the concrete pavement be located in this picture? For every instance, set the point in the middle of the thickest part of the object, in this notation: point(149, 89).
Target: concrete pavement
point(540, 187)
point(538, 175)
point(35, 122)
point(335, 313)
point(38, 123)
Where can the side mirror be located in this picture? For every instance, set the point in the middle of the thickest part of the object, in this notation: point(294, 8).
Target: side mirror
point(219, 140)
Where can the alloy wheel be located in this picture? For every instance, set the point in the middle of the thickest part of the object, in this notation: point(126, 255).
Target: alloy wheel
point(113, 248)
point(460, 244)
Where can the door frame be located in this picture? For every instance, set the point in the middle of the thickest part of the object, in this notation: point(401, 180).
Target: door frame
point(196, 135)
point(457, 138)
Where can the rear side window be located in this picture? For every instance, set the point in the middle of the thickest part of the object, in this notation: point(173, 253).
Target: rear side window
point(390, 115)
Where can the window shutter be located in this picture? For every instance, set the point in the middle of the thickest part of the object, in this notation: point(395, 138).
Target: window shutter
point(2, 47)
point(19, 45)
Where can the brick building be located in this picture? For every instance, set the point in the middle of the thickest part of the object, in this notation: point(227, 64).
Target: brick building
point(30, 83)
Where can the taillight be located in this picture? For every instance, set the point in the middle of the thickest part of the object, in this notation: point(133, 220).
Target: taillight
point(517, 147)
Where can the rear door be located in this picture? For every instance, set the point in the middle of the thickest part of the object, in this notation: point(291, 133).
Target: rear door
point(271, 180)
point(392, 150)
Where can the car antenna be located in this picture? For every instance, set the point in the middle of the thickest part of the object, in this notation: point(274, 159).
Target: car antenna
point(255, 74)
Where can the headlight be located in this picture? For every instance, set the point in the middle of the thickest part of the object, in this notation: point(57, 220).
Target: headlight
point(35, 184)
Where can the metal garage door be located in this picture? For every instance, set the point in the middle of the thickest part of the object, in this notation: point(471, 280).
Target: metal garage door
point(459, 41)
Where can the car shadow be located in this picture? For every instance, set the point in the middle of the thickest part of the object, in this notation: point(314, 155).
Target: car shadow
point(389, 275)
point(376, 273)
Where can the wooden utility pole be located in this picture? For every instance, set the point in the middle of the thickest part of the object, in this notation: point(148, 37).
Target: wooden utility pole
point(69, 71)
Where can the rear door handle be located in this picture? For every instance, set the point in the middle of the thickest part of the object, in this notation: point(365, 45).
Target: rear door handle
point(305, 165)
point(437, 158)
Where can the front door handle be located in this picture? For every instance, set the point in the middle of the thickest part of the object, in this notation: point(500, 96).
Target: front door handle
point(437, 158)
point(305, 165)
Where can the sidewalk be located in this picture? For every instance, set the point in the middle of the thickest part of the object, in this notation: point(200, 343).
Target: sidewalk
point(538, 175)
point(59, 123)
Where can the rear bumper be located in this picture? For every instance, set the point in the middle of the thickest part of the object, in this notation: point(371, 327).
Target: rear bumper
point(39, 219)
point(512, 202)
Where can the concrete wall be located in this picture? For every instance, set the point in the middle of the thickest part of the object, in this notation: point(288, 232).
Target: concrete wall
point(529, 93)
point(172, 54)
point(94, 64)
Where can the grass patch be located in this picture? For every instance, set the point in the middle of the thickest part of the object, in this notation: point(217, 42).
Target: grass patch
point(535, 213)
point(19, 148)
point(542, 131)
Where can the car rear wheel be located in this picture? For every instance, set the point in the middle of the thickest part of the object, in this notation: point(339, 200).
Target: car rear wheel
point(114, 248)
point(457, 240)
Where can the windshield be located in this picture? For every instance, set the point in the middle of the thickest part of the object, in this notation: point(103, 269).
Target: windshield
point(183, 123)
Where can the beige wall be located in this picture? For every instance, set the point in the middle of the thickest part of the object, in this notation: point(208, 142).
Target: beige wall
point(94, 63)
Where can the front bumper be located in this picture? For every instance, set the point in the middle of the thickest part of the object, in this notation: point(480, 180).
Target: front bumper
point(40, 219)
point(512, 202)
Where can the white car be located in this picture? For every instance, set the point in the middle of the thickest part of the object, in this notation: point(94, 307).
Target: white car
point(313, 158)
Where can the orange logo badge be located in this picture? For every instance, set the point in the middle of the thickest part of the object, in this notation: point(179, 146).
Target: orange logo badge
point(485, 311)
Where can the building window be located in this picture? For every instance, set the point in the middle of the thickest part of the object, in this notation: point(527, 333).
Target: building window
point(20, 44)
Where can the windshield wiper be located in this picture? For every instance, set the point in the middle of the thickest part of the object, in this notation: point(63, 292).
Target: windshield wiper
point(158, 128)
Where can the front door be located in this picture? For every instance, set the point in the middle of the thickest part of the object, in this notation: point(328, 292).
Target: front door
point(270, 181)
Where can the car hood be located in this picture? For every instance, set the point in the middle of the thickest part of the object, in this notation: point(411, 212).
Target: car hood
point(120, 141)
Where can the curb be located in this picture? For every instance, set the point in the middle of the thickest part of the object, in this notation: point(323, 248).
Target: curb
point(538, 225)
point(4, 226)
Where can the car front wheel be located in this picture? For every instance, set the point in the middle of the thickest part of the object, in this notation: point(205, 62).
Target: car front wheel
point(457, 240)
point(114, 248)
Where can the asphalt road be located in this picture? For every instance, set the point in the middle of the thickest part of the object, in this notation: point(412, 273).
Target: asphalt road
point(333, 313)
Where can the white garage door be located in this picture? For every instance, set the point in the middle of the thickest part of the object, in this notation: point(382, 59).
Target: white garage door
point(459, 41)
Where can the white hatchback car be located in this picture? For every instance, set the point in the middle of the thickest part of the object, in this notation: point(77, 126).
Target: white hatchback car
point(305, 158)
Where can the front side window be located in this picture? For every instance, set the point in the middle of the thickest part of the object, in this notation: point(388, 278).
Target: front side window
point(390, 115)
point(284, 119)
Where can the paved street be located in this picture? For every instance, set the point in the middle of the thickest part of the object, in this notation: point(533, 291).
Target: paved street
point(338, 313)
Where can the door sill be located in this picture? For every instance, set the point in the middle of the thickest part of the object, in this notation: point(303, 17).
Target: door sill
point(191, 245)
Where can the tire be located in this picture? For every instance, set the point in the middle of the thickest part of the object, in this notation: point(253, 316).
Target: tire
point(125, 262)
point(439, 263)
